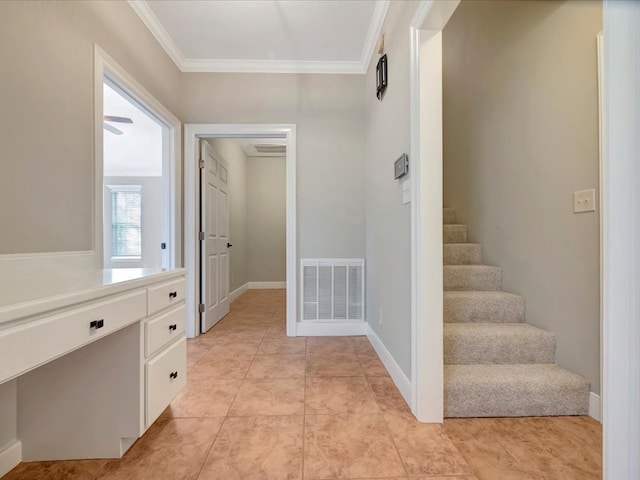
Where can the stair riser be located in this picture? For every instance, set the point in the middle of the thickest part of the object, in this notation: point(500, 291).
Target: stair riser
point(513, 391)
point(472, 278)
point(454, 233)
point(462, 254)
point(461, 350)
point(487, 402)
point(506, 309)
point(448, 216)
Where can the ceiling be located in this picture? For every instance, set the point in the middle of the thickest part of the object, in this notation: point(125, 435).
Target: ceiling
point(273, 36)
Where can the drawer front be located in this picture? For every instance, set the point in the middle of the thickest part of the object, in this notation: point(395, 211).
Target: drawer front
point(165, 294)
point(166, 375)
point(163, 329)
point(30, 344)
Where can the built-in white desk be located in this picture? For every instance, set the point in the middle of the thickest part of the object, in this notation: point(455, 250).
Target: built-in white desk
point(89, 359)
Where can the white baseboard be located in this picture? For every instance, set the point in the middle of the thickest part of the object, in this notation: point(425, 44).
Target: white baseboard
point(266, 285)
point(397, 375)
point(238, 291)
point(595, 407)
point(330, 329)
point(10, 457)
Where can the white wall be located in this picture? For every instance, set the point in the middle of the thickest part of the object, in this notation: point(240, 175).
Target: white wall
point(521, 135)
point(46, 189)
point(266, 219)
point(236, 159)
point(388, 223)
point(328, 112)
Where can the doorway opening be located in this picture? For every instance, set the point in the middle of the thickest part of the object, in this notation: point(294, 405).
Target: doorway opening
point(218, 270)
point(242, 220)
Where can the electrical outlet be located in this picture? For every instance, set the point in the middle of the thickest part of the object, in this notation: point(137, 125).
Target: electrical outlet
point(584, 201)
point(379, 316)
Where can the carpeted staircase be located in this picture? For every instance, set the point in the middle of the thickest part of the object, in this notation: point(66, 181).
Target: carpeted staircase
point(495, 364)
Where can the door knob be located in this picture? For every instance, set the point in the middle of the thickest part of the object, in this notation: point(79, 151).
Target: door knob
point(229, 245)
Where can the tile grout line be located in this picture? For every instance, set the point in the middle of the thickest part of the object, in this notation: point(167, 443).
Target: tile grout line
point(206, 456)
point(304, 405)
point(395, 446)
point(204, 461)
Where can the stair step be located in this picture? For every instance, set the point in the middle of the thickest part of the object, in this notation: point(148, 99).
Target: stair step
point(483, 307)
point(448, 216)
point(497, 343)
point(454, 233)
point(462, 253)
point(472, 277)
point(513, 391)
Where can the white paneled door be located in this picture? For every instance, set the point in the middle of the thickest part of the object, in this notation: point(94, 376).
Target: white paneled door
point(214, 244)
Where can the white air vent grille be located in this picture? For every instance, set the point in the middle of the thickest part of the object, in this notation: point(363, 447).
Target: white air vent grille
point(332, 289)
point(266, 148)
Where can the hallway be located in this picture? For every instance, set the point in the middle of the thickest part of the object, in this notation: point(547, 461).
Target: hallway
point(259, 405)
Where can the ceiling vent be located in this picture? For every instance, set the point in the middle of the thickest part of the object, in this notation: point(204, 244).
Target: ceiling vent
point(272, 149)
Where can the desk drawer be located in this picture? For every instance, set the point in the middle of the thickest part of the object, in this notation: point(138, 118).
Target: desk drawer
point(29, 344)
point(163, 329)
point(165, 294)
point(166, 375)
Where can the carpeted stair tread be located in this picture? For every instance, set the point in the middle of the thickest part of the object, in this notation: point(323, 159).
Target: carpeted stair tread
point(472, 277)
point(497, 343)
point(448, 216)
point(513, 391)
point(483, 307)
point(462, 254)
point(454, 233)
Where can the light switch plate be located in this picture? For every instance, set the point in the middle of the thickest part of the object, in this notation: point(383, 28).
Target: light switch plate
point(406, 191)
point(584, 201)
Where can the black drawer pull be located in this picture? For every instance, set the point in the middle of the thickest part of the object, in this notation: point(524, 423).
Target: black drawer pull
point(173, 375)
point(173, 327)
point(97, 324)
point(173, 294)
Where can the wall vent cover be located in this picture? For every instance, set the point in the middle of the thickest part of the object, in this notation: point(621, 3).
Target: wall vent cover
point(332, 289)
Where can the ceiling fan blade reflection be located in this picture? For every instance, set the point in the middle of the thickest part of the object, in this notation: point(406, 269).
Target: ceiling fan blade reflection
point(113, 118)
point(112, 129)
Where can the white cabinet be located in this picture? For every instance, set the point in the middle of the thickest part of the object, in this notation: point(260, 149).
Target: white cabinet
point(166, 375)
point(31, 343)
point(165, 347)
point(105, 352)
point(165, 295)
point(163, 329)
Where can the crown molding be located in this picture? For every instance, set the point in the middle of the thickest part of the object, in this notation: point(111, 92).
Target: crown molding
point(262, 66)
point(270, 66)
point(375, 28)
point(155, 27)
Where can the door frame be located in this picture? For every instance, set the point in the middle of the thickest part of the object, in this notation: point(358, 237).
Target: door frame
point(194, 131)
point(621, 240)
point(426, 127)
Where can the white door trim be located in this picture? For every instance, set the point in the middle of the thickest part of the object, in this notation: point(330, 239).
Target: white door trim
point(427, 364)
point(192, 131)
point(621, 241)
point(104, 65)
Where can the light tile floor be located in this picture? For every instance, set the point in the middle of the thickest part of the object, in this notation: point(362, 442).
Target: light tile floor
point(261, 406)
